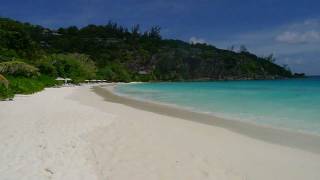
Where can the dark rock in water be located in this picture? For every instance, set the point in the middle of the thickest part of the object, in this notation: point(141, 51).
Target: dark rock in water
point(299, 75)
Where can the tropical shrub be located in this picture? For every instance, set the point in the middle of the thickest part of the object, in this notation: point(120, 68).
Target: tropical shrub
point(46, 66)
point(23, 85)
point(7, 54)
point(106, 73)
point(114, 72)
point(18, 68)
point(5, 92)
point(4, 81)
point(78, 67)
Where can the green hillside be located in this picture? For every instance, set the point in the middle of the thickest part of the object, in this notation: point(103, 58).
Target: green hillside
point(116, 53)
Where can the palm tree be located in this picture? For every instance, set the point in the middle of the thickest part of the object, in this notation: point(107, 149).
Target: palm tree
point(4, 81)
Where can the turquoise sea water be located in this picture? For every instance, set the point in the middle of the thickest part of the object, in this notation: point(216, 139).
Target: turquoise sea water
point(292, 104)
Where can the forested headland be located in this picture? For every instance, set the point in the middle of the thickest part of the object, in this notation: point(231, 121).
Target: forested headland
point(32, 57)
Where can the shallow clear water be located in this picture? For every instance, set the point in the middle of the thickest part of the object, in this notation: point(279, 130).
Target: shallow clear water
point(292, 104)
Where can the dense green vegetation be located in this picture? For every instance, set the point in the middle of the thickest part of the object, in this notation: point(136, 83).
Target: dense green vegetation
point(115, 53)
point(24, 85)
point(79, 67)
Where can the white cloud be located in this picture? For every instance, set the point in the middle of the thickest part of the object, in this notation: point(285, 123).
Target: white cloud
point(292, 37)
point(312, 22)
point(296, 44)
point(307, 31)
point(195, 40)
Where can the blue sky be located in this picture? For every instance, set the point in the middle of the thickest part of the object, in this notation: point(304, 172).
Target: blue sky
point(288, 28)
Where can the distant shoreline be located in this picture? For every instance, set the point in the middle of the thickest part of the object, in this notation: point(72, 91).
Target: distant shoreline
point(221, 80)
point(304, 141)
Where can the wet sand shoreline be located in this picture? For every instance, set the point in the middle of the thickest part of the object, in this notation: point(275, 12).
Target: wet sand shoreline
point(303, 141)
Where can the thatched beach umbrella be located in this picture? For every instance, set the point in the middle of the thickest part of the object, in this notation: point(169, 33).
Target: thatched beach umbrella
point(63, 79)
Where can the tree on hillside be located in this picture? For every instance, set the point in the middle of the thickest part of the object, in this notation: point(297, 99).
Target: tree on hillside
point(271, 58)
point(243, 49)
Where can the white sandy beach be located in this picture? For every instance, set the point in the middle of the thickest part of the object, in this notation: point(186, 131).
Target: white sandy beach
point(71, 133)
